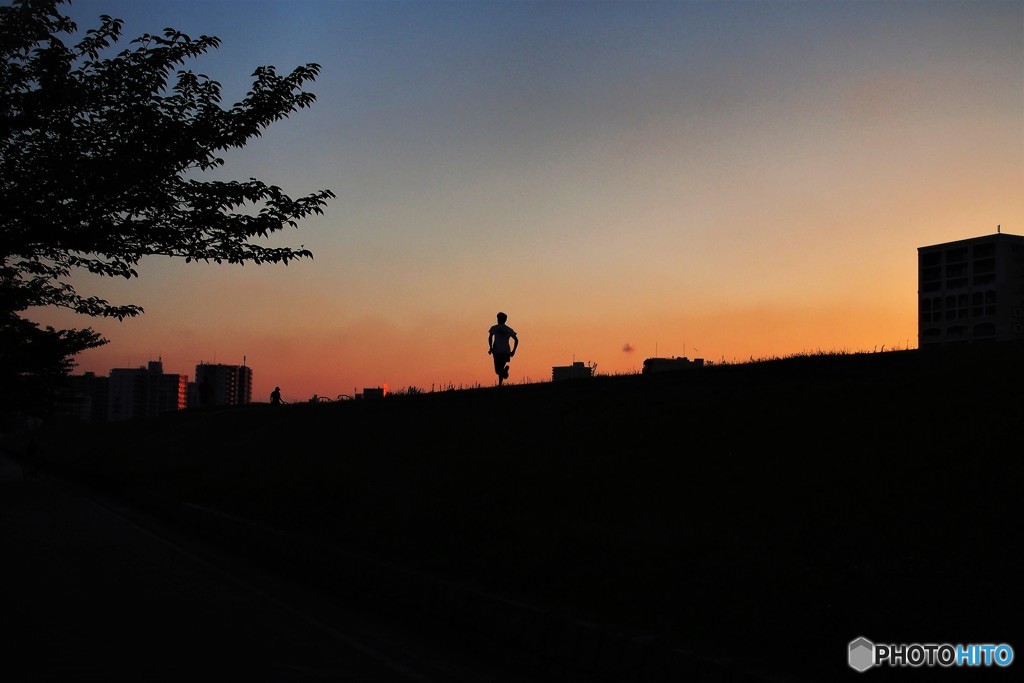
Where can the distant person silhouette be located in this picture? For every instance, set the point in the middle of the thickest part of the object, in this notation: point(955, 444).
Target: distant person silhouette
point(275, 396)
point(498, 346)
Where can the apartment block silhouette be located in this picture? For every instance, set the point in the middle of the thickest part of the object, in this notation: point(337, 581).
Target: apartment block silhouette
point(222, 385)
point(577, 370)
point(87, 397)
point(971, 291)
point(145, 392)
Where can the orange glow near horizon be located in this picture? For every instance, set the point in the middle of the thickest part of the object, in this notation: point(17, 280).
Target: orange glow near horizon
point(339, 361)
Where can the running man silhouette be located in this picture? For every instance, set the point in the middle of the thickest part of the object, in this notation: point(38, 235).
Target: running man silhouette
point(498, 346)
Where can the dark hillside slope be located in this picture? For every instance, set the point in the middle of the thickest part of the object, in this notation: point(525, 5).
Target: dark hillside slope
point(809, 499)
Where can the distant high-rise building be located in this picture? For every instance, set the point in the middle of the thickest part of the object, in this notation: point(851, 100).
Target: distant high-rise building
point(87, 397)
point(223, 385)
point(971, 291)
point(144, 392)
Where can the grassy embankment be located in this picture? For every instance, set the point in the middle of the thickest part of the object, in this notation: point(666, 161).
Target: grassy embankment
point(810, 499)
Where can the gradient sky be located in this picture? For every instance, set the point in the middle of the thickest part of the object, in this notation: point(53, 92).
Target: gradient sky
point(720, 180)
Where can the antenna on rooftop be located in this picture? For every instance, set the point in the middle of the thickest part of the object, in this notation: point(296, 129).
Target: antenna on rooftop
point(999, 228)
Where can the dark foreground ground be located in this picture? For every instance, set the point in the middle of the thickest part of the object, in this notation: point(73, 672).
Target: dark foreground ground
point(765, 513)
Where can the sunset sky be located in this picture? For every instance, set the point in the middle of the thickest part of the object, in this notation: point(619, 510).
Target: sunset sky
point(720, 180)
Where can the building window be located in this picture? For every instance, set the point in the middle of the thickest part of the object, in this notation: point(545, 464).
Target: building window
point(956, 255)
point(985, 265)
point(983, 250)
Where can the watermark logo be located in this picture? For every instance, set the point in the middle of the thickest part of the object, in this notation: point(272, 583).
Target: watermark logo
point(862, 654)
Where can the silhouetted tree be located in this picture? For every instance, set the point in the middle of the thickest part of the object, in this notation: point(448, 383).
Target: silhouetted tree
point(101, 155)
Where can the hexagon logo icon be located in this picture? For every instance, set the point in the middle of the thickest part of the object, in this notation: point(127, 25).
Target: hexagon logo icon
point(862, 654)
